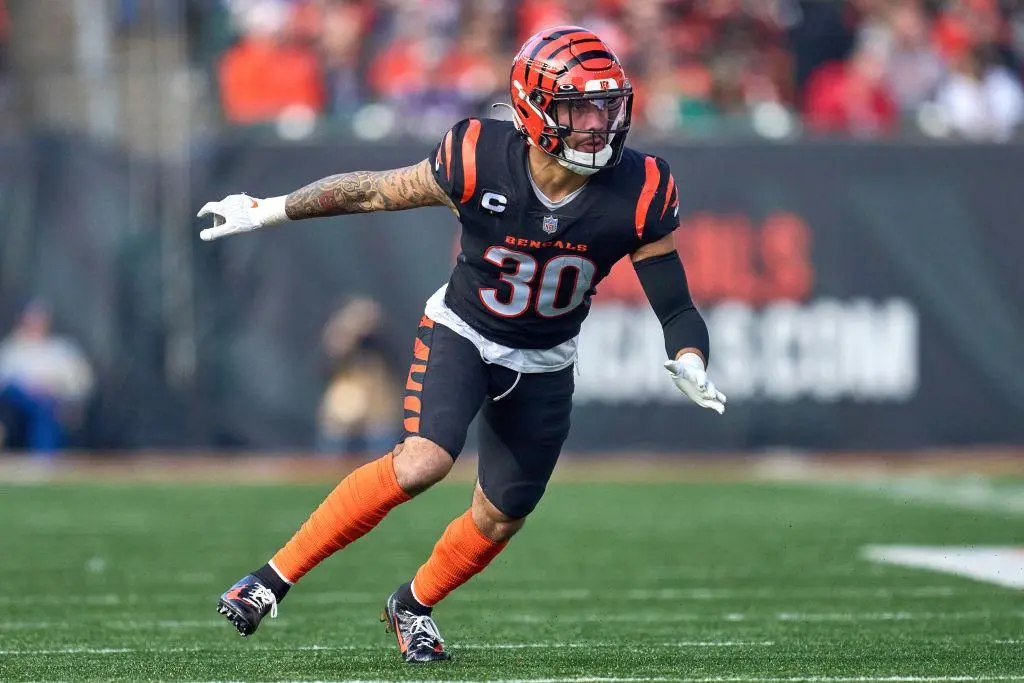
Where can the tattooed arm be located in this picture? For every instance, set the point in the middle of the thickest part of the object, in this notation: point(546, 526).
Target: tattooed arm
point(336, 195)
point(363, 191)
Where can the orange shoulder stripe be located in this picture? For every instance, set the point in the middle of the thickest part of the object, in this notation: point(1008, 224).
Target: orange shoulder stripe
point(448, 156)
point(469, 159)
point(652, 178)
point(668, 193)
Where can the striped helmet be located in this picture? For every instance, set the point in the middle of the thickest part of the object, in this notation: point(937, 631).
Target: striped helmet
point(570, 64)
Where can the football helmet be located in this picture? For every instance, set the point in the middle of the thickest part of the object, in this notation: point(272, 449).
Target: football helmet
point(571, 64)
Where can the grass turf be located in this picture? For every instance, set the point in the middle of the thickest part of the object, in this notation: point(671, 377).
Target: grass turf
point(739, 581)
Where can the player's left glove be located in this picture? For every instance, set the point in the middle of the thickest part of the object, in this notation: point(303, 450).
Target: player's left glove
point(690, 377)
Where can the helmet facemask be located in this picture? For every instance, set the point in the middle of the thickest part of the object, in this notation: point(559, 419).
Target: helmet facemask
point(564, 114)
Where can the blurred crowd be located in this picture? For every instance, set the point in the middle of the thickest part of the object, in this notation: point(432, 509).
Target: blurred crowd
point(865, 68)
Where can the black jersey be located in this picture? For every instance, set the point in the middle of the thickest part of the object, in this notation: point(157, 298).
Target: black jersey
point(526, 273)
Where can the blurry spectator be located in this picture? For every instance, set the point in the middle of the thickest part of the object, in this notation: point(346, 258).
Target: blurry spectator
point(913, 65)
point(852, 97)
point(982, 100)
point(675, 98)
point(821, 32)
point(265, 76)
point(343, 24)
point(44, 380)
point(432, 75)
point(473, 68)
point(410, 73)
point(360, 409)
point(968, 23)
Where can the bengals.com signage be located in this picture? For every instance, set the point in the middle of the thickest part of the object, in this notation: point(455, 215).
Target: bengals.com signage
point(773, 337)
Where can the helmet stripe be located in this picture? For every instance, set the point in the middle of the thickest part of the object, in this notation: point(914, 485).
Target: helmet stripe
point(541, 43)
point(566, 46)
point(555, 36)
point(592, 54)
point(652, 178)
point(570, 43)
point(469, 160)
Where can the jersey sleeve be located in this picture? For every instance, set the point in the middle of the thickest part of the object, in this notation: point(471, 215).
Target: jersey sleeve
point(454, 160)
point(657, 209)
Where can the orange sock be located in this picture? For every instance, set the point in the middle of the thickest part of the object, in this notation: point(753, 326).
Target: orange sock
point(462, 552)
point(357, 505)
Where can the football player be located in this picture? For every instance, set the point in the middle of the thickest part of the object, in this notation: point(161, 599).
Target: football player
point(548, 202)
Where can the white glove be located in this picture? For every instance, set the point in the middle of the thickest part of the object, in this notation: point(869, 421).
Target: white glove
point(238, 213)
point(690, 377)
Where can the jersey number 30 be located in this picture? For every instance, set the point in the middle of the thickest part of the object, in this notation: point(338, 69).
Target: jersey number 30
point(525, 283)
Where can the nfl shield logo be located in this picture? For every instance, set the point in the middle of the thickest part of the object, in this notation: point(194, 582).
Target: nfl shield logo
point(550, 225)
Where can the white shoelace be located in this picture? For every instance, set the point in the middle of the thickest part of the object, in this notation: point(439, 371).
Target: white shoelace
point(424, 630)
point(265, 596)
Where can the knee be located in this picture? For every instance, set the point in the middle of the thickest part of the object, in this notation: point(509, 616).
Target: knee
point(495, 524)
point(420, 463)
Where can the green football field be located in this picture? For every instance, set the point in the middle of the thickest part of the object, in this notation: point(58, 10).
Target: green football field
point(671, 581)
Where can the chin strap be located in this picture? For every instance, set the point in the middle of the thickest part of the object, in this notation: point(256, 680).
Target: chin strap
point(573, 160)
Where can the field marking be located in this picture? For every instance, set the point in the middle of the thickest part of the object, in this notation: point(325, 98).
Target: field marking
point(534, 618)
point(641, 617)
point(567, 595)
point(975, 493)
point(390, 646)
point(757, 679)
point(999, 565)
point(711, 593)
point(114, 624)
point(722, 679)
point(72, 651)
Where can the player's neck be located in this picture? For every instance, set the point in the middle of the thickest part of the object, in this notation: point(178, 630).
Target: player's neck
point(551, 178)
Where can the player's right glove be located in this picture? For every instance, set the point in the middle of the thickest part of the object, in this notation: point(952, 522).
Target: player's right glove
point(689, 376)
point(238, 213)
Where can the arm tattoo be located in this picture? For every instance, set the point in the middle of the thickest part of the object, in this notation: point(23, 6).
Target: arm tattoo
point(363, 191)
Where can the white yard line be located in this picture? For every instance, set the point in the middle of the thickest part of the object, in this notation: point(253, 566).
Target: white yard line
point(705, 593)
point(118, 624)
point(731, 679)
point(536, 618)
point(640, 617)
point(585, 679)
point(71, 651)
point(532, 618)
point(390, 646)
point(1001, 565)
point(975, 493)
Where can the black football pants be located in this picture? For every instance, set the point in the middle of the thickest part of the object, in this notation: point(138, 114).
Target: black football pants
point(524, 416)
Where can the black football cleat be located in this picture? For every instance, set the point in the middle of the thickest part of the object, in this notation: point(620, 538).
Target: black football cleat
point(418, 638)
point(246, 603)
